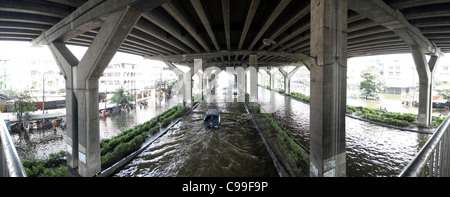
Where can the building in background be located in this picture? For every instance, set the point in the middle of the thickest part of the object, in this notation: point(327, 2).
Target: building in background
point(400, 76)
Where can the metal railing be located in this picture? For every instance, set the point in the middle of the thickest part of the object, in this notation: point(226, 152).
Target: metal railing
point(433, 160)
point(10, 164)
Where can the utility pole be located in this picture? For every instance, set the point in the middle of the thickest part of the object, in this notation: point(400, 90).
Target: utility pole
point(43, 93)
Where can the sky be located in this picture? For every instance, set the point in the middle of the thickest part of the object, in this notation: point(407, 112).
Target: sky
point(14, 50)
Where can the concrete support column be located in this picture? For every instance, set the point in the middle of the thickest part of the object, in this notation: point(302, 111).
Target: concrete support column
point(82, 94)
point(198, 66)
point(328, 87)
point(263, 71)
point(272, 78)
point(287, 80)
point(187, 85)
point(425, 71)
point(285, 77)
point(67, 63)
point(253, 78)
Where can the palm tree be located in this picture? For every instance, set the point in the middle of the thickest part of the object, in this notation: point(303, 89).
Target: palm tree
point(120, 98)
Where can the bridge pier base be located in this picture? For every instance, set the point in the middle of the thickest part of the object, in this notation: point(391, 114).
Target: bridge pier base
point(328, 87)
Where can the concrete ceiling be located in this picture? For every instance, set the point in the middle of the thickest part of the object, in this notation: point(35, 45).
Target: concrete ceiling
point(227, 31)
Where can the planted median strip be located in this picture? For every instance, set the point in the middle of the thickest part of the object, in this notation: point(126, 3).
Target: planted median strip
point(385, 117)
point(111, 150)
point(114, 149)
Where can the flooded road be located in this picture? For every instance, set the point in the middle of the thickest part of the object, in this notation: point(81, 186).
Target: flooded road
point(41, 144)
point(372, 150)
point(190, 150)
point(235, 149)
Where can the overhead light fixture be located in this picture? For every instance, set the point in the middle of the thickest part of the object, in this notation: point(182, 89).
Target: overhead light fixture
point(268, 42)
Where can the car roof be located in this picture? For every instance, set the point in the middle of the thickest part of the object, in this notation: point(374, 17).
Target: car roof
point(212, 112)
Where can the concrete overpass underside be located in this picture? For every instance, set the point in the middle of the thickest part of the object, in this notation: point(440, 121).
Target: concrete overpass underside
point(319, 34)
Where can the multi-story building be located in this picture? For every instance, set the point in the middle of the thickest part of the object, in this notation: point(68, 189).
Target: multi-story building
point(442, 73)
point(136, 78)
point(400, 76)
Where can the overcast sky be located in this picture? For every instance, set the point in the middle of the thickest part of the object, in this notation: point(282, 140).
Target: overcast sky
point(13, 50)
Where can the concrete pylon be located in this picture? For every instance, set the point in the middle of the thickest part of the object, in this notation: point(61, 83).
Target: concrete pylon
point(328, 87)
point(425, 71)
point(253, 91)
point(83, 145)
point(287, 78)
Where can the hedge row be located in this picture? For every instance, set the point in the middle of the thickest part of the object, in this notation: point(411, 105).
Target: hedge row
point(50, 167)
point(292, 150)
point(114, 149)
point(392, 118)
point(300, 96)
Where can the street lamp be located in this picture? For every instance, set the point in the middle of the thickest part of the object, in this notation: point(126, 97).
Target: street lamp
point(43, 92)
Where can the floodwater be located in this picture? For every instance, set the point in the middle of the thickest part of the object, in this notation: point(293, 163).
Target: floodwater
point(40, 144)
point(372, 150)
point(235, 149)
point(188, 149)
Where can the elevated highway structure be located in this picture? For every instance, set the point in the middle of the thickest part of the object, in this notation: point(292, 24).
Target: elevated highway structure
point(320, 34)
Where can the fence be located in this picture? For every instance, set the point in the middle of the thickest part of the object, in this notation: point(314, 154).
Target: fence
point(433, 160)
point(10, 164)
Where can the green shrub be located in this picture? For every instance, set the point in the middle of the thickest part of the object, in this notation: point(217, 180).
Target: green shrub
point(130, 140)
point(50, 167)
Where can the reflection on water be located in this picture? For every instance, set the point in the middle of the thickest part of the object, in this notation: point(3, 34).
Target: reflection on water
point(41, 144)
point(188, 149)
point(371, 150)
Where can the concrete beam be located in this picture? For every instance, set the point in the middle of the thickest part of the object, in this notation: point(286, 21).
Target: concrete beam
point(288, 24)
point(278, 10)
point(89, 16)
point(199, 8)
point(166, 23)
point(328, 87)
point(208, 56)
point(180, 15)
point(394, 20)
point(248, 21)
point(226, 22)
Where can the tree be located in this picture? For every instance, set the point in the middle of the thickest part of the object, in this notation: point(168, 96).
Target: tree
point(120, 98)
point(372, 80)
point(22, 106)
point(445, 93)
